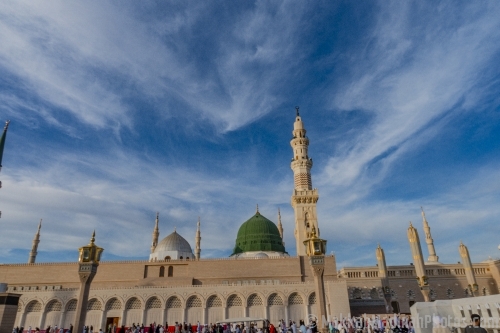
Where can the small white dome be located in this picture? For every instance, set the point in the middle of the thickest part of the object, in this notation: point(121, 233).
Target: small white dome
point(172, 247)
point(173, 242)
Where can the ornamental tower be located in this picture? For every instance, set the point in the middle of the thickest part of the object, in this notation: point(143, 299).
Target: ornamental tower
point(34, 246)
point(304, 197)
point(197, 239)
point(469, 270)
point(418, 262)
point(156, 233)
point(2, 144)
point(433, 258)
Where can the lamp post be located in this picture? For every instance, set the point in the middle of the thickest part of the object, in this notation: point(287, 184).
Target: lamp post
point(89, 258)
point(315, 250)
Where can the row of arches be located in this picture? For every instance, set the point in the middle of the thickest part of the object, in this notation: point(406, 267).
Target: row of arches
point(154, 309)
point(116, 303)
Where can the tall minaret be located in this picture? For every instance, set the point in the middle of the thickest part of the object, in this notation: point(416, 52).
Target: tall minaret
point(34, 246)
point(382, 266)
point(2, 144)
point(280, 226)
point(156, 233)
point(382, 274)
point(433, 258)
point(304, 197)
point(469, 270)
point(197, 250)
point(418, 261)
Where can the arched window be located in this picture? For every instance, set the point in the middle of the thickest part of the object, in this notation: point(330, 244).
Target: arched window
point(153, 303)
point(71, 306)
point(181, 257)
point(174, 302)
point(54, 305)
point(193, 302)
point(133, 303)
point(295, 299)
point(274, 299)
point(254, 300)
point(34, 306)
point(94, 304)
point(167, 258)
point(234, 300)
point(214, 302)
point(114, 304)
point(312, 299)
point(162, 271)
point(170, 271)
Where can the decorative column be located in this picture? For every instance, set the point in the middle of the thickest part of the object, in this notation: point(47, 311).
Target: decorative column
point(315, 250)
point(433, 258)
point(90, 255)
point(34, 246)
point(382, 274)
point(469, 270)
point(418, 262)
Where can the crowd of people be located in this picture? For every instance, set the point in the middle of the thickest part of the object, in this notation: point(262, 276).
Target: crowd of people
point(374, 324)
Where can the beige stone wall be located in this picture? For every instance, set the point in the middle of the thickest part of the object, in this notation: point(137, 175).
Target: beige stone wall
point(144, 273)
point(446, 282)
point(190, 303)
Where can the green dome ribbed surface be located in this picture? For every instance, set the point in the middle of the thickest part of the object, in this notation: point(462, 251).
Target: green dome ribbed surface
point(258, 234)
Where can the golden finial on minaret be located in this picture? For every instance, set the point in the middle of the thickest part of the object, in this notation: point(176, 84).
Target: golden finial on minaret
point(92, 240)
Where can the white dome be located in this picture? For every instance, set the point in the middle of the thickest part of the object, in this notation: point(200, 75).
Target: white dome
point(174, 247)
point(173, 242)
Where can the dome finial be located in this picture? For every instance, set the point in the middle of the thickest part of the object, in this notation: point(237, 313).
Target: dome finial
point(175, 229)
point(257, 210)
point(297, 110)
point(92, 240)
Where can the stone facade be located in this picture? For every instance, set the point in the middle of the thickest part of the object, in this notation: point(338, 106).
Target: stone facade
point(446, 281)
point(274, 288)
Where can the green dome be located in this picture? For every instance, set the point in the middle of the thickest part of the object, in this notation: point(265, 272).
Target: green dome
point(258, 234)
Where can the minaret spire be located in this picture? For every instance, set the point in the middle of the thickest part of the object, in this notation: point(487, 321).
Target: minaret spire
point(433, 258)
point(197, 250)
point(2, 141)
point(382, 274)
point(304, 197)
point(418, 261)
point(2, 144)
point(469, 270)
point(34, 246)
point(156, 233)
point(280, 226)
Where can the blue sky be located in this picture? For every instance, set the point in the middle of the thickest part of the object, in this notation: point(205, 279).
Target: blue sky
point(121, 109)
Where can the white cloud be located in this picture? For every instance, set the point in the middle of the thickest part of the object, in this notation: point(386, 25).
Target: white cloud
point(409, 76)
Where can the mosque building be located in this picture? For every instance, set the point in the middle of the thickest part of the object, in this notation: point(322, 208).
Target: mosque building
point(260, 279)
